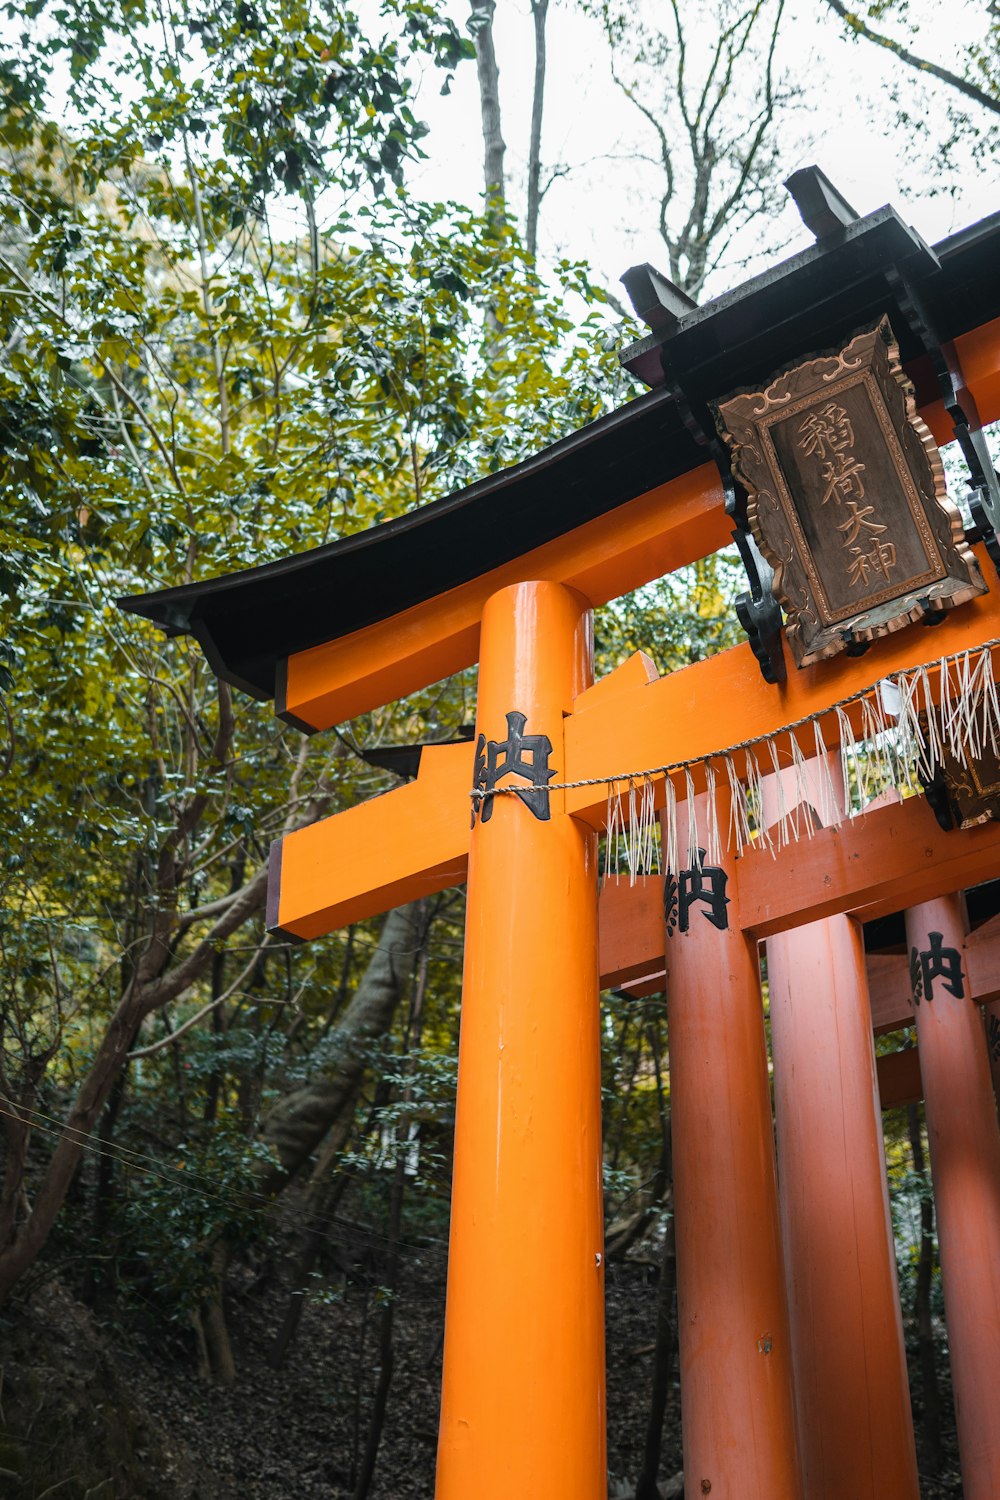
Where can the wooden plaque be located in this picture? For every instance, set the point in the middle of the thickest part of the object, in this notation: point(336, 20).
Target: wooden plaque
point(847, 498)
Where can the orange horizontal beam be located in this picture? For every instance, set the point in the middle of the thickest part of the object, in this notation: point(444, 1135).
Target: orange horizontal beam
point(416, 837)
point(414, 840)
point(879, 863)
point(889, 992)
point(979, 356)
point(640, 926)
point(897, 853)
point(408, 843)
point(631, 935)
point(723, 701)
point(646, 538)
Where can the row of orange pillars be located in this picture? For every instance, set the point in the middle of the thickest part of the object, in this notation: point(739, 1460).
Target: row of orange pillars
point(792, 1362)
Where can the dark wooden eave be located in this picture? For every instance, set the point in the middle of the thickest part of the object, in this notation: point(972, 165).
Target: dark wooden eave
point(249, 622)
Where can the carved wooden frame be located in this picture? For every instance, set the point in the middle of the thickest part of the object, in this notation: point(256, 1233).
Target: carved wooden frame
point(951, 575)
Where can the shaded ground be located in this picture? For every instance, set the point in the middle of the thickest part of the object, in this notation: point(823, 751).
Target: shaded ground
point(138, 1425)
point(297, 1432)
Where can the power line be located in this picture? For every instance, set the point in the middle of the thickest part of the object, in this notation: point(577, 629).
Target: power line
point(312, 1222)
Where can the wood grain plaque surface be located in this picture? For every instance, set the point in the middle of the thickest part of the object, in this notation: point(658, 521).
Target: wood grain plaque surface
point(847, 497)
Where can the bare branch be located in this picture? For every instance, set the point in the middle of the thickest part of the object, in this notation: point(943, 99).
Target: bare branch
point(861, 28)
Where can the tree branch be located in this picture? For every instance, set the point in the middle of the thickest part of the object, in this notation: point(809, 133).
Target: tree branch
point(539, 11)
point(861, 28)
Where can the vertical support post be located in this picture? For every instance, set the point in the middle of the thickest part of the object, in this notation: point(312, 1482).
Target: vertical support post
point(737, 1402)
point(523, 1388)
point(852, 1391)
point(965, 1166)
point(847, 1328)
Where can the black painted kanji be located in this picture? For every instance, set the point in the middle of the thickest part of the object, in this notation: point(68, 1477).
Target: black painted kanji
point(936, 962)
point(700, 882)
point(520, 754)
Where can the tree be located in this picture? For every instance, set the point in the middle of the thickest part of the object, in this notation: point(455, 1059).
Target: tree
point(482, 13)
point(708, 88)
point(979, 77)
point(201, 373)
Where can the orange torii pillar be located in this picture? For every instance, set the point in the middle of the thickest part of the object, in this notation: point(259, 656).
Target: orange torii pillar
point(965, 1166)
point(737, 1403)
point(851, 1385)
point(523, 1386)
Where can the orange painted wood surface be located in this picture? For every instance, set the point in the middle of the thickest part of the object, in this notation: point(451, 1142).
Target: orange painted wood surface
point(896, 854)
point(738, 1412)
point(414, 840)
point(646, 538)
point(847, 1330)
point(409, 843)
point(631, 929)
point(877, 864)
point(522, 1410)
point(982, 958)
point(722, 701)
point(899, 1080)
point(965, 1166)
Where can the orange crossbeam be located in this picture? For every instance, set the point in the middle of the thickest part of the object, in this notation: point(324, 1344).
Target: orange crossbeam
point(898, 854)
point(899, 851)
point(408, 843)
point(413, 841)
point(724, 701)
point(646, 538)
point(877, 864)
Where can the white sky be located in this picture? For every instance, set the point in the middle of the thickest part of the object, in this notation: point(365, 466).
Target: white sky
point(598, 212)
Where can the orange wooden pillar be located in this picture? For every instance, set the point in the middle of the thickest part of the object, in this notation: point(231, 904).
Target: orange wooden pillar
point(737, 1404)
point(852, 1390)
point(843, 1301)
point(965, 1166)
point(523, 1390)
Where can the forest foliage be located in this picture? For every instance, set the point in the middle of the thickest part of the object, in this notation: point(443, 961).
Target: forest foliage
point(231, 331)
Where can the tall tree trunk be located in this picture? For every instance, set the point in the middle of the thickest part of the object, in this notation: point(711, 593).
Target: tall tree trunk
point(325, 1193)
point(663, 1369)
point(299, 1121)
point(21, 1252)
point(539, 15)
point(481, 25)
point(216, 1362)
point(148, 990)
point(366, 1472)
point(411, 1046)
point(663, 1358)
point(930, 1428)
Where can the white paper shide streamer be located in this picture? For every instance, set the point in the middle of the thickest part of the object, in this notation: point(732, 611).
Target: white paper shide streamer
point(892, 736)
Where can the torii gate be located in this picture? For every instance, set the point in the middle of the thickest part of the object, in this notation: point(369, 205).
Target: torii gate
point(508, 573)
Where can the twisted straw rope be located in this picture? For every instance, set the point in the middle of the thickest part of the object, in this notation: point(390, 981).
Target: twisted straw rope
point(477, 794)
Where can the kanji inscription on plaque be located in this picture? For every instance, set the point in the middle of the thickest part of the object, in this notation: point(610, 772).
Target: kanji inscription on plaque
point(847, 498)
